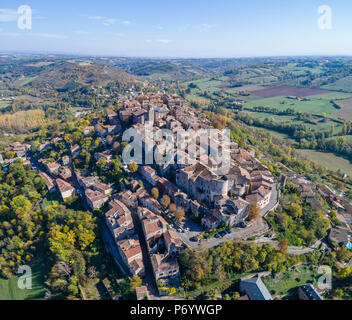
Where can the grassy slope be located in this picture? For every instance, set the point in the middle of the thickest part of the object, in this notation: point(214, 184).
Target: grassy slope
point(341, 84)
point(328, 160)
point(4, 104)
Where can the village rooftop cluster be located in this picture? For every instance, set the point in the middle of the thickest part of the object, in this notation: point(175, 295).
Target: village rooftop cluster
point(139, 229)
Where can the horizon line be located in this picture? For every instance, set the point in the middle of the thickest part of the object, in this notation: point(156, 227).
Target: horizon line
point(88, 55)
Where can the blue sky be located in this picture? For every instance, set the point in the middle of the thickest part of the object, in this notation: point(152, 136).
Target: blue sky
point(170, 28)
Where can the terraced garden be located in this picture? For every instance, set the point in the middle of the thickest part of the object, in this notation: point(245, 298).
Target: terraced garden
point(287, 283)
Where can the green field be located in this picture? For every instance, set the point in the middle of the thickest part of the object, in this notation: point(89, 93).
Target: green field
point(317, 105)
point(25, 81)
point(9, 288)
point(4, 104)
point(257, 76)
point(328, 160)
point(275, 117)
point(292, 67)
point(279, 135)
point(332, 96)
point(292, 120)
point(287, 282)
point(208, 84)
point(344, 84)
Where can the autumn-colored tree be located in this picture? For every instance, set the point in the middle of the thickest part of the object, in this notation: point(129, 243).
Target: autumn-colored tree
point(295, 210)
point(116, 147)
point(338, 293)
point(180, 213)
point(343, 272)
point(133, 167)
point(283, 246)
point(254, 212)
point(236, 296)
point(155, 193)
point(102, 163)
point(165, 201)
point(109, 140)
point(343, 254)
point(340, 186)
point(172, 208)
point(135, 282)
point(9, 154)
point(68, 138)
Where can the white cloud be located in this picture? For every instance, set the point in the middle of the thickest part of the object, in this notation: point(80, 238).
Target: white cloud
point(104, 20)
point(183, 28)
point(126, 22)
point(36, 35)
point(47, 35)
point(165, 41)
point(81, 32)
point(159, 27)
point(8, 15)
point(206, 26)
point(39, 17)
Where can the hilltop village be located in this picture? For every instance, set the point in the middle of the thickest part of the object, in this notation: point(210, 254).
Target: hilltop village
point(156, 211)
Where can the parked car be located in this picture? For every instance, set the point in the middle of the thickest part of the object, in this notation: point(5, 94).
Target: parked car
point(217, 236)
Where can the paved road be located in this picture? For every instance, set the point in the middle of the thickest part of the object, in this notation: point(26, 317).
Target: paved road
point(344, 265)
point(291, 250)
point(298, 251)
